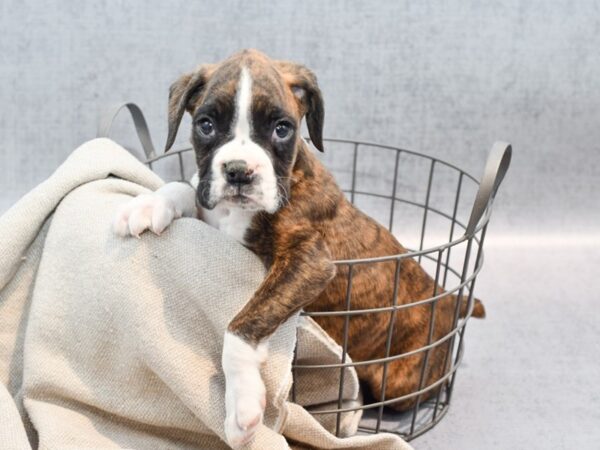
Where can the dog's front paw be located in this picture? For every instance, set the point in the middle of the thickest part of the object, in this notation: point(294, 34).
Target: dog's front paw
point(152, 212)
point(244, 414)
point(245, 394)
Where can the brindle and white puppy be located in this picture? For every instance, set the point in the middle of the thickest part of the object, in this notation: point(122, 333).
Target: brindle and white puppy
point(258, 182)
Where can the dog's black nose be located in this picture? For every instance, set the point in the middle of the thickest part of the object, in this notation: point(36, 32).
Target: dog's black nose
point(237, 172)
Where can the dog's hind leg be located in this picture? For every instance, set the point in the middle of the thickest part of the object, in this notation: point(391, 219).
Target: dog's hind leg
point(407, 375)
point(402, 378)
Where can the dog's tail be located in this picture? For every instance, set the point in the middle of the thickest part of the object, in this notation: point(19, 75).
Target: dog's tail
point(478, 309)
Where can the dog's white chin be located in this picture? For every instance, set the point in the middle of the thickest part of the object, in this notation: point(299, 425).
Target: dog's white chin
point(247, 203)
point(244, 202)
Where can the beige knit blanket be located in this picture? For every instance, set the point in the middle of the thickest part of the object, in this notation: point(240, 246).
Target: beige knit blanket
point(116, 343)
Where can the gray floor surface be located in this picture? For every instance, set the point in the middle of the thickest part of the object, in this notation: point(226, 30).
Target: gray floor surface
point(530, 374)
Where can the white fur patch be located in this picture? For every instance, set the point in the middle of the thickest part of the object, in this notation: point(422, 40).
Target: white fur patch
point(155, 211)
point(230, 220)
point(195, 180)
point(236, 223)
point(245, 394)
point(242, 147)
point(243, 105)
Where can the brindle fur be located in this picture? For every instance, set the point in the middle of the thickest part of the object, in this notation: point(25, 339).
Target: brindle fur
point(336, 229)
point(318, 225)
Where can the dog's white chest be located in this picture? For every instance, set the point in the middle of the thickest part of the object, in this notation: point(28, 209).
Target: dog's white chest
point(231, 221)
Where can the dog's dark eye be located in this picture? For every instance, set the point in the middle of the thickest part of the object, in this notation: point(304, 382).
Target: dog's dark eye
point(282, 130)
point(205, 126)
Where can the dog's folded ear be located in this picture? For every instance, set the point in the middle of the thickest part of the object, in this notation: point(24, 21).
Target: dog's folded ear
point(304, 85)
point(182, 96)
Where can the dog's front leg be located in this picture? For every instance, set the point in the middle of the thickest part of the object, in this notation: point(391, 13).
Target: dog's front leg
point(299, 273)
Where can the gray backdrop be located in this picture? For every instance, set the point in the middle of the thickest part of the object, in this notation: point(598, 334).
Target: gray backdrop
point(446, 78)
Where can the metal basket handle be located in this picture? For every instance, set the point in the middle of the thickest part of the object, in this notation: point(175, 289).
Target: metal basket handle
point(495, 168)
point(107, 117)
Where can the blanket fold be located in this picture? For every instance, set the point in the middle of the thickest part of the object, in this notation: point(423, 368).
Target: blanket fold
point(116, 343)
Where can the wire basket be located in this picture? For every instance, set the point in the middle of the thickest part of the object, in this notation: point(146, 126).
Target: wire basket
point(440, 209)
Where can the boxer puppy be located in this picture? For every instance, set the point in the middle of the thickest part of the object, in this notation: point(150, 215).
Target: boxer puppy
point(258, 181)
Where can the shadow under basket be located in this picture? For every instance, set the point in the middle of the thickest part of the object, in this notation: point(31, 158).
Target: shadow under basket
point(439, 212)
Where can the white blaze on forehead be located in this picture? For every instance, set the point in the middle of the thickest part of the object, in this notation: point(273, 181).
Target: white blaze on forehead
point(243, 104)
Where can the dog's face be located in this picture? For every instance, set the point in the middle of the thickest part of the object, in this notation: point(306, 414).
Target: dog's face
point(246, 114)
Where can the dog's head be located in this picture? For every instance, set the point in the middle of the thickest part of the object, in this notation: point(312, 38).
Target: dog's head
point(246, 114)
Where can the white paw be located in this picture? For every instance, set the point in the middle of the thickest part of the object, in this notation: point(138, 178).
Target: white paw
point(245, 394)
point(152, 212)
point(243, 421)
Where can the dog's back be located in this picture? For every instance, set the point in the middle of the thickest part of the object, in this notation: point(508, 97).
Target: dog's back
point(351, 234)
